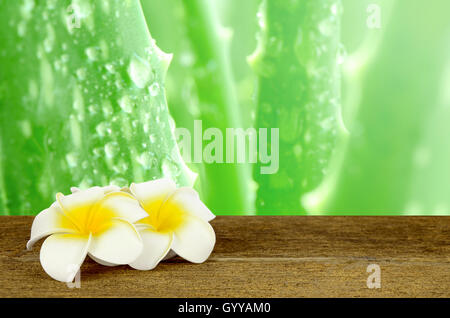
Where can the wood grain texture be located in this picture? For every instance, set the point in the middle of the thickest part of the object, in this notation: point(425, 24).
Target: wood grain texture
point(260, 256)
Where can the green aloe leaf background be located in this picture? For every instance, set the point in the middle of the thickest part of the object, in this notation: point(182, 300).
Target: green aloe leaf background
point(81, 104)
point(204, 89)
point(397, 89)
point(92, 91)
point(298, 91)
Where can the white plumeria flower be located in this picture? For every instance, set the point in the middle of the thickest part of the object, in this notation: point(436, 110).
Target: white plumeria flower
point(97, 222)
point(177, 221)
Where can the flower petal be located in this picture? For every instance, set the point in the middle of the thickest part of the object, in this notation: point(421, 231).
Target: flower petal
point(78, 205)
point(122, 205)
point(79, 198)
point(126, 189)
point(49, 221)
point(190, 202)
point(152, 194)
point(156, 247)
point(110, 188)
point(62, 255)
point(120, 243)
point(169, 255)
point(74, 189)
point(101, 262)
point(194, 239)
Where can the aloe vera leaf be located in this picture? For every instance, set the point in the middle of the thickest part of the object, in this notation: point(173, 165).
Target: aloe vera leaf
point(81, 106)
point(203, 65)
point(299, 93)
point(363, 44)
point(379, 163)
point(170, 34)
point(239, 19)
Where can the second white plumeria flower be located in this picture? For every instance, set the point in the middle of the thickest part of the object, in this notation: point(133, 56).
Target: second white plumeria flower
point(97, 222)
point(177, 221)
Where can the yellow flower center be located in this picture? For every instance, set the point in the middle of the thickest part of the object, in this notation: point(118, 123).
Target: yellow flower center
point(164, 216)
point(88, 218)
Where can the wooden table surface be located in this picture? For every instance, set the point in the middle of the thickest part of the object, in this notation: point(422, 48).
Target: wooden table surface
point(260, 256)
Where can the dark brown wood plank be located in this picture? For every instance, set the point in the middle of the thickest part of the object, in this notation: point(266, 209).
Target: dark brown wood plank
point(263, 256)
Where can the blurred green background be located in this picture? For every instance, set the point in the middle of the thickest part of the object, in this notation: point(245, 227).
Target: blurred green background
point(359, 89)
